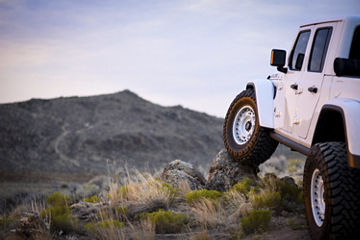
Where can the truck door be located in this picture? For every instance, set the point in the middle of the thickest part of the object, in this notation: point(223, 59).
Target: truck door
point(310, 82)
point(291, 82)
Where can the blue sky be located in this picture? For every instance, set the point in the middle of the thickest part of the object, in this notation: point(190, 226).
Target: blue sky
point(194, 53)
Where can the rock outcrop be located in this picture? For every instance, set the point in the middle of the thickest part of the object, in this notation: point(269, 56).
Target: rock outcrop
point(178, 171)
point(86, 211)
point(225, 172)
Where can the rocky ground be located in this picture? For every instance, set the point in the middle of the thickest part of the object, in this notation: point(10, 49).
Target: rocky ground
point(231, 202)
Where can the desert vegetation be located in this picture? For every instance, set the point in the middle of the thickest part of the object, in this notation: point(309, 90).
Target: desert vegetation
point(143, 206)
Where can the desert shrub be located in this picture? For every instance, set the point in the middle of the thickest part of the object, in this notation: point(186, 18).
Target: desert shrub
point(173, 192)
point(63, 222)
point(266, 199)
point(59, 217)
point(198, 195)
point(290, 192)
point(55, 211)
point(92, 199)
point(58, 213)
point(57, 199)
point(257, 220)
point(243, 186)
point(166, 221)
point(278, 194)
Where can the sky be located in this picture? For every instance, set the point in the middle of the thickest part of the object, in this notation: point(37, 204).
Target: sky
point(194, 53)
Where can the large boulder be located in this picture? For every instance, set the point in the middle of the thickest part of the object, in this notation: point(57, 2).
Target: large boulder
point(178, 171)
point(225, 172)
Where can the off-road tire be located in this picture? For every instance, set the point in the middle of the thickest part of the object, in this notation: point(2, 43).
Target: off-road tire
point(260, 146)
point(341, 192)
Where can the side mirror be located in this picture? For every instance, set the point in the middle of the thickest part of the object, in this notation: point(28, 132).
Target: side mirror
point(278, 59)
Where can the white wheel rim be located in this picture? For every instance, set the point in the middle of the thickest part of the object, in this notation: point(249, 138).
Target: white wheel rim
point(244, 125)
point(317, 198)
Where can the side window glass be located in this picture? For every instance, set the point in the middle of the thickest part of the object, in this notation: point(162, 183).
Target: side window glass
point(319, 49)
point(355, 45)
point(298, 53)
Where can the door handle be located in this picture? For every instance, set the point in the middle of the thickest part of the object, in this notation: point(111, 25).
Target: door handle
point(313, 89)
point(294, 86)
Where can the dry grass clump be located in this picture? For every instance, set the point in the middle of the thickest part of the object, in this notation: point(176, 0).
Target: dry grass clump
point(144, 230)
point(238, 194)
point(266, 199)
point(142, 188)
point(211, 213)
point(184, 187)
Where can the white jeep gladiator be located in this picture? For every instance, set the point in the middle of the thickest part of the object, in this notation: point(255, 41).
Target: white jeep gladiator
point(313, 106)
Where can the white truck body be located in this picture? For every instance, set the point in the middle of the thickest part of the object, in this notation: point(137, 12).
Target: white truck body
point(294, 113)
point(313, 106)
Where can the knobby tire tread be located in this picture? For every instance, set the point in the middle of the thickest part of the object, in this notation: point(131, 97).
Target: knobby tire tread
point(260, 147)
point(344, 190)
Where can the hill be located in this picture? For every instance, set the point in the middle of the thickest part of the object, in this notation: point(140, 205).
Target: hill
point(89, 135)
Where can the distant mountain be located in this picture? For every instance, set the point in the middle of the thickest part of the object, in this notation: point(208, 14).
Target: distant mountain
point(89, 135)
